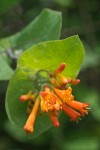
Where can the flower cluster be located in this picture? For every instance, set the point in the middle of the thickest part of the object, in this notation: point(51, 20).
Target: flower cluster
point(54, 96)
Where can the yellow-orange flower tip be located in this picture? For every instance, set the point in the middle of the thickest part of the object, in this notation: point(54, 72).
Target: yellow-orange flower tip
point(75, 81)
point(58, 70)
point(23, 98)
point(28, 96)
point(28, 129)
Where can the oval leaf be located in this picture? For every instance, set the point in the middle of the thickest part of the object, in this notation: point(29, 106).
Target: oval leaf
point(46, 55)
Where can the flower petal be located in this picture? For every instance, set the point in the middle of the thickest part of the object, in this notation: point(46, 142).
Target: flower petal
point(54, 118)
point(29, 126)
point(74, 115)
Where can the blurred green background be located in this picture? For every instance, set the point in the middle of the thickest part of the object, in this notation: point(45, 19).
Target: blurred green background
point(79, 17)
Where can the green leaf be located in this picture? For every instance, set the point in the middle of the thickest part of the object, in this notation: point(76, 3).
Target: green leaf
point(44, 27)
point(5, 71)
point(46, 55)
point(50, 54)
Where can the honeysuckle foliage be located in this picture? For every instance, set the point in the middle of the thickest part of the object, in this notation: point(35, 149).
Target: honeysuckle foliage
point(46, 55)
point(5, 70)
point(44, 27)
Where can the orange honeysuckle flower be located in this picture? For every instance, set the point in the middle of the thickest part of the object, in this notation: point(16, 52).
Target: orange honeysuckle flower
point(56, 100)
point(53, 97)
point(49, 101)
point(68, 98)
